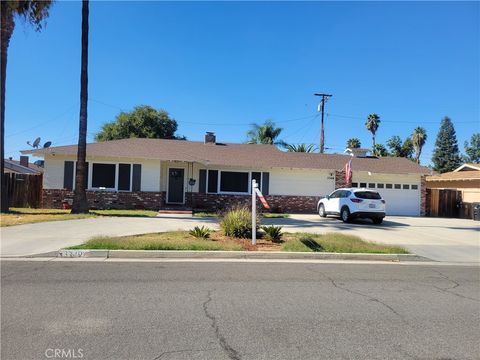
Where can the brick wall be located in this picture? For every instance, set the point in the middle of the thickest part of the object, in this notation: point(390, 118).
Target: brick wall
point(340, 179)
point(54, 198)
point(278, 203)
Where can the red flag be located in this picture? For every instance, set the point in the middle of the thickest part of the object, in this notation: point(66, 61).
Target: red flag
point(348, 172)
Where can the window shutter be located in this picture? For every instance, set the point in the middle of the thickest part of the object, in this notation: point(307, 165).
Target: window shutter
point(266, 183)
point(202, 182)
point(137, 177)
point(212, 181)
point(68, 175)
point(124, 177)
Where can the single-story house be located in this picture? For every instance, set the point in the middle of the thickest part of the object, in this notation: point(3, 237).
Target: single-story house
point(465, 179)
point(209, 175)
point(22, 166)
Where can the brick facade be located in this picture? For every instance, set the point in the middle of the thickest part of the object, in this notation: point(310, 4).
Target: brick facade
point(340, 181)
point(102, 200)
point(55, 198)
point(278, 203)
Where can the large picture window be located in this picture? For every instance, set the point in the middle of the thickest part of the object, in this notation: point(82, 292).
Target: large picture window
point(235, 182)
point(103, 176)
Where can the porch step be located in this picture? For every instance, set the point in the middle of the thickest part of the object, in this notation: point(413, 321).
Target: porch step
point(175, 211)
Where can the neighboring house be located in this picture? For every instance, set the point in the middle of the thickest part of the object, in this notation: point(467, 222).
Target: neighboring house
point(465, 179)
point(158, 174)
point(22, 166)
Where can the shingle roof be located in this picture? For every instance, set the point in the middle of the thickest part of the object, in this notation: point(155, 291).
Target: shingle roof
point(13, 166)
point(245, 155)
point(455, 175)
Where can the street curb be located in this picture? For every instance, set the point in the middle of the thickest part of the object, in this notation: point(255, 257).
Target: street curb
point(172, 254)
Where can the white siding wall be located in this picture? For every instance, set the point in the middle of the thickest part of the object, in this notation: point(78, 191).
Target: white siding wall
point(54, 170)
point(53, 175)
point(301, 182)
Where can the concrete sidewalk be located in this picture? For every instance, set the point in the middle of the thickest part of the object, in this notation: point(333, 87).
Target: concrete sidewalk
point(29, 239)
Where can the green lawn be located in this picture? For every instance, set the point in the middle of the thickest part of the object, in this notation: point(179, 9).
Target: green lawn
point(18, 216)
point(265, 215)
point(182, 240)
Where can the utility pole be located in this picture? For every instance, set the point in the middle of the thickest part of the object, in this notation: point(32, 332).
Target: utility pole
point(321, 108)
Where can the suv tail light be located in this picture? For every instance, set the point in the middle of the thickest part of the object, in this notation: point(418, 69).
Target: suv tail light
point(356, 200)
point(383, 201)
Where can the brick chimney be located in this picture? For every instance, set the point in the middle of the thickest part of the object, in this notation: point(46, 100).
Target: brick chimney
point(24, 160)
point(210, 137)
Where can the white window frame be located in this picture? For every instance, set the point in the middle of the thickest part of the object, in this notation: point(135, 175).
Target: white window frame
point(117, 172)
point(249, 185)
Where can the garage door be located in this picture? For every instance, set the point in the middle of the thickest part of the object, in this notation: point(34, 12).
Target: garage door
point(401, 198)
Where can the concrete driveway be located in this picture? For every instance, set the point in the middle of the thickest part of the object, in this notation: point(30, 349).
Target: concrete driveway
point(439, 239)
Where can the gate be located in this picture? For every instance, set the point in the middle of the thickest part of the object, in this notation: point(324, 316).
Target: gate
point(444, 202)
point(24, 190)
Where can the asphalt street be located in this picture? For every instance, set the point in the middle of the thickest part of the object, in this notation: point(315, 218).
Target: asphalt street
point(229, 310)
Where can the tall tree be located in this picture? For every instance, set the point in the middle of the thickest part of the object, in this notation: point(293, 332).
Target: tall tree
point(472, 150)
point(34, 13)
point(354, 143)
point(380, 150)
point(446, 156)
point(372, 124)
point(143, 122)
point(399, 148)
point(305, 148)
point(80, 203)
point(419, 137)
point(267, 133)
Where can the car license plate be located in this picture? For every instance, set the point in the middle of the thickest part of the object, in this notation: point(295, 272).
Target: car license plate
point(371, 206)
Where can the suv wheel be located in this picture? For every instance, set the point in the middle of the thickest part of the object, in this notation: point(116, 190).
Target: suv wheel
point(345, 214)
point(321, 211)
point(377, 220)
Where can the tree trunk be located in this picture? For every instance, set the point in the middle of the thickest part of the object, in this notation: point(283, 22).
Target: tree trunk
point(7, 29)
point(373, 140)
point(80, 203)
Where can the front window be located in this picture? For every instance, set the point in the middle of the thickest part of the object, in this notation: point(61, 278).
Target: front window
point(234, 182)
point(103, 176)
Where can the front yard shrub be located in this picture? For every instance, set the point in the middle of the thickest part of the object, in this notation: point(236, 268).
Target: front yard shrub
point(237, 222)
point(273, 233)
point(201, 232)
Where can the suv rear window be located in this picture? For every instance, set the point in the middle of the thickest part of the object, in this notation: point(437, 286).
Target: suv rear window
point(367, 195)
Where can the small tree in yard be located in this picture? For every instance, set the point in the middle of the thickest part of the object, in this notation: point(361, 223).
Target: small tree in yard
point(380, 150)
point(446, 156)
point(399, 148)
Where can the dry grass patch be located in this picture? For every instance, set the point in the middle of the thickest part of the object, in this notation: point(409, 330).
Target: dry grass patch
point(19, 216)
point(182, 240)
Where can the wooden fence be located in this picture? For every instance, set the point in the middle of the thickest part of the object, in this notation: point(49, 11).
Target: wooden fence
point(24, 190)
point(447, 203)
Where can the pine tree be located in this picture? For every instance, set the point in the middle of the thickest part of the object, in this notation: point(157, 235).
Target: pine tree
point(446, 156)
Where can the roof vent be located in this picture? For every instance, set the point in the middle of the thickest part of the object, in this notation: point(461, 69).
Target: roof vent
point(357, 152)
point(210, 138)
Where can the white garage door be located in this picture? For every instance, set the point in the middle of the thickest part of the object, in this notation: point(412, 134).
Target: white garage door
point(402, 198)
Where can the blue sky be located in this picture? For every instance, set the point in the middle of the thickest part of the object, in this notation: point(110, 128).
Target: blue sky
point(219, 66)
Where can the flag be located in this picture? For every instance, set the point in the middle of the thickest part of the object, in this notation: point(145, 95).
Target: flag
point(348, 172)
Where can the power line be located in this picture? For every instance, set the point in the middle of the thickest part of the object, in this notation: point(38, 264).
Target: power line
point(398, 122)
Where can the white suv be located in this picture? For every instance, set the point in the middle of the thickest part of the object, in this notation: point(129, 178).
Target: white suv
point(350, 203)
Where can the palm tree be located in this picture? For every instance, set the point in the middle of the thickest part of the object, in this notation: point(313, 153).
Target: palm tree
point(380, 150)
point(305, 148)
point(372, 124)
point(80, 203)
point(34, 13)
point(419, 137)
point(354, 143)
point(265, 134)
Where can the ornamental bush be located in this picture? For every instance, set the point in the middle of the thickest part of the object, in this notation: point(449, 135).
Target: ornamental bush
point(237, 222)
